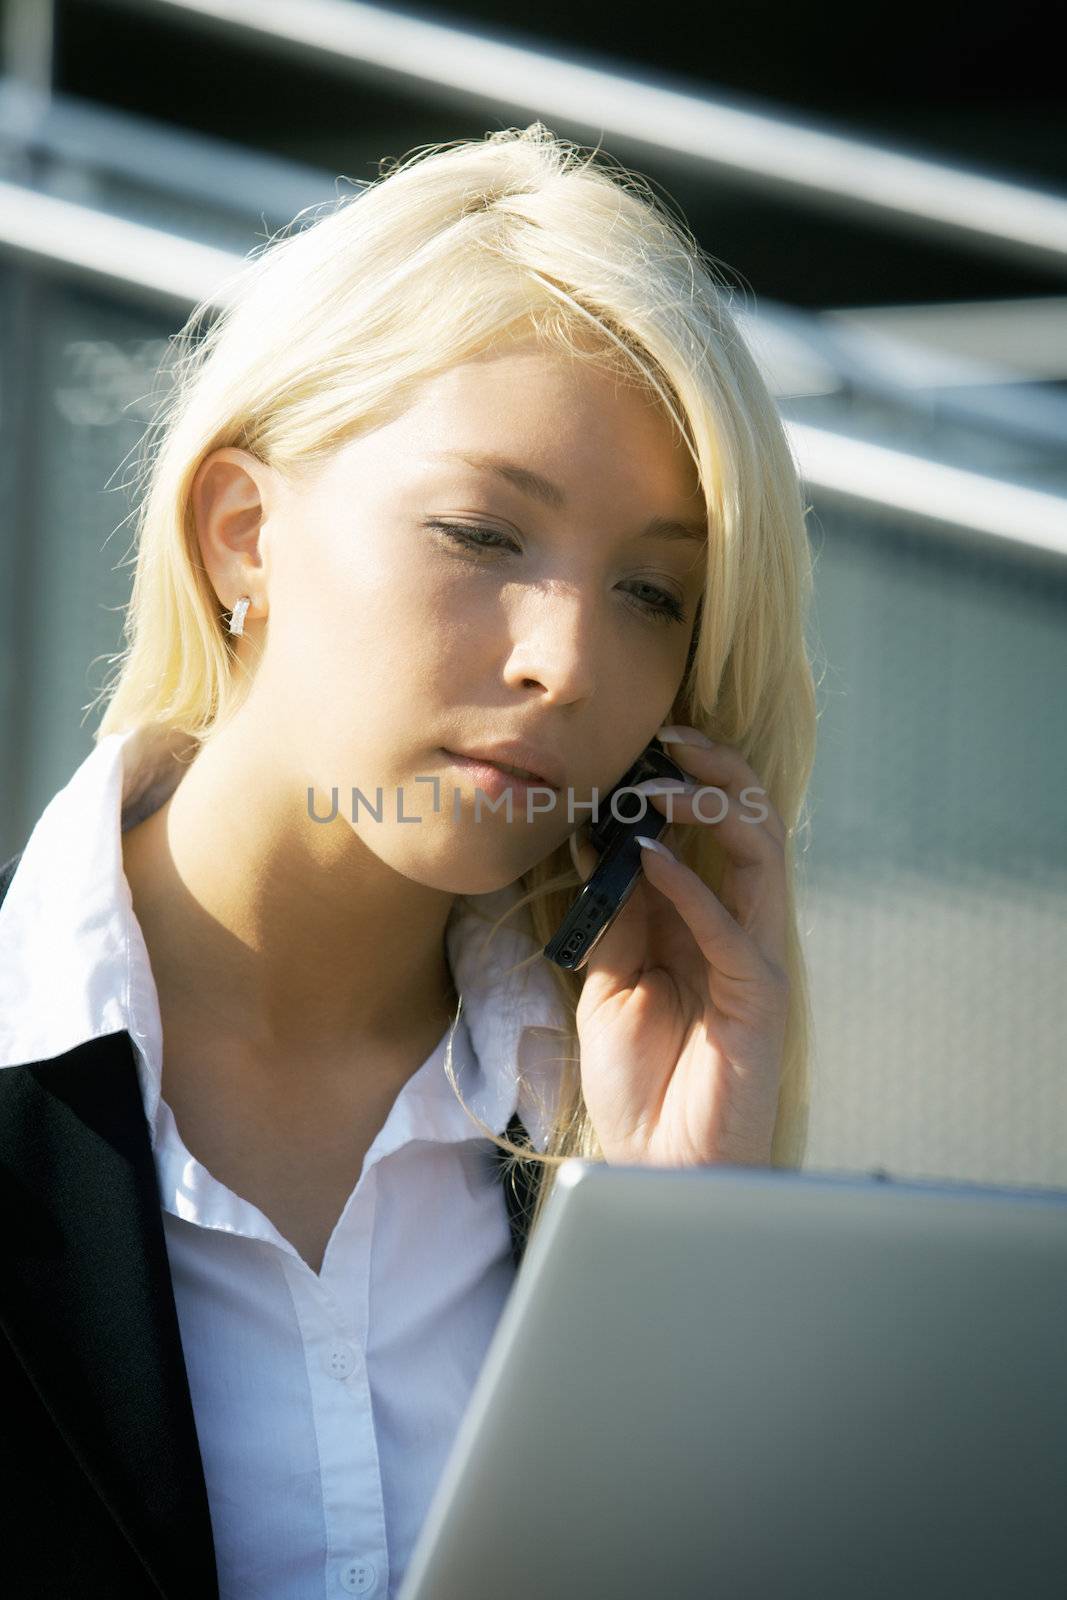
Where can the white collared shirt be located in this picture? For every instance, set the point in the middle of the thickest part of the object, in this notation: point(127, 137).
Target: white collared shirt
point(325, 1404)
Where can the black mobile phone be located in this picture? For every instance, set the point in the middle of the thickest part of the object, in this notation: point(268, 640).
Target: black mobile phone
point(612, 880)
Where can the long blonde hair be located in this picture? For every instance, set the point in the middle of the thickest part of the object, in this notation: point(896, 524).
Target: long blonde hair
point(330, 328)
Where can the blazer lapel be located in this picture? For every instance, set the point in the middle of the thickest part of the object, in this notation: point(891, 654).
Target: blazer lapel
point(87, 1301)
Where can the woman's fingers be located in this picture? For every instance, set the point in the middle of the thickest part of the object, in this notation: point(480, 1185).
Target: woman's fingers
point(729, 798)
point(720, 766)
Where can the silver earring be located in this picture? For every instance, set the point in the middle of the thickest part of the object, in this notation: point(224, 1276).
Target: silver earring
point(237, 616)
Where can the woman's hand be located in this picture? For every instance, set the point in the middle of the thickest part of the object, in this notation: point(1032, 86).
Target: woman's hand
point(681, 1020)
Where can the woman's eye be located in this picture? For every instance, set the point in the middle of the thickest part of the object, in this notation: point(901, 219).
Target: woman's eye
point(662, 607)
point(665, 607)
point(473, 538)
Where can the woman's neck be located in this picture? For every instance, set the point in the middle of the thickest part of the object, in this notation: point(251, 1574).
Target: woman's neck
point(294, 938)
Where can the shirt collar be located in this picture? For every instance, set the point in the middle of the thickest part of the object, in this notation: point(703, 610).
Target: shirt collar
point(74, 966)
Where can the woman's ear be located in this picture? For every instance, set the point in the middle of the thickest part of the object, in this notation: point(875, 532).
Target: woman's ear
point(228, 498)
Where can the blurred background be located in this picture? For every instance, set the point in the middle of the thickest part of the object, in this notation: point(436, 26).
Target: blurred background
point(886, 187)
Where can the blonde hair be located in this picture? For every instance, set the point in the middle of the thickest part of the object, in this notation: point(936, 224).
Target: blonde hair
point(331, 328)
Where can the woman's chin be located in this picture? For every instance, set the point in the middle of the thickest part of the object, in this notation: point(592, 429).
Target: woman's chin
point(479, 872)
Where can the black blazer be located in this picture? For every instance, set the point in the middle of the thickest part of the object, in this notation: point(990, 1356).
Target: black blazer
point(102, 1490)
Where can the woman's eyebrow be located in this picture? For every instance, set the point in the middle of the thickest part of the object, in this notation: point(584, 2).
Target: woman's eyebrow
point(550, 494)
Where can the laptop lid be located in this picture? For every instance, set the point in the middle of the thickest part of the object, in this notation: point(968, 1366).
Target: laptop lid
point(741, 1382)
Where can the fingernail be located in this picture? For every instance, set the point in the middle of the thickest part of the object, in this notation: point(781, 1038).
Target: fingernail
point(664, 786)
point(654, 844)
point(672, 735)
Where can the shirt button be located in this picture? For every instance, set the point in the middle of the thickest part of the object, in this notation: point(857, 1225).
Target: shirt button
point(340, 1360)
point(359, 1577)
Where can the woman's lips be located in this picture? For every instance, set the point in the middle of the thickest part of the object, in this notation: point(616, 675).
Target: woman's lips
point(493, 780)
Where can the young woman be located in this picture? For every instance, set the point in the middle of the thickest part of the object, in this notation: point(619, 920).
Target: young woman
point(472, 469)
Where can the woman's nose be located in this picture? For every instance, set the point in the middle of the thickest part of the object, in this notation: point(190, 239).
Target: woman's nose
point(554, 648)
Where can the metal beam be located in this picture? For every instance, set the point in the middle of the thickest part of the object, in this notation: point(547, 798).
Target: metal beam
point(638, 113)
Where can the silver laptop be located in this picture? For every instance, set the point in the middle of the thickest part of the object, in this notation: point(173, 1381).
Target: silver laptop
point(742, 1384)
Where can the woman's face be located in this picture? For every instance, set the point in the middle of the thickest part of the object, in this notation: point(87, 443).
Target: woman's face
point(546, 616)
